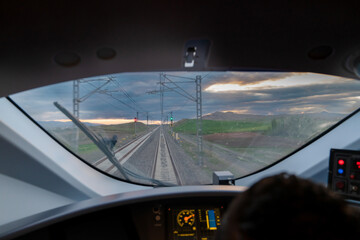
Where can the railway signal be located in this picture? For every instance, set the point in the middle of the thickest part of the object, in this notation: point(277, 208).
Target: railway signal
point(135, 121)
point(171, 120)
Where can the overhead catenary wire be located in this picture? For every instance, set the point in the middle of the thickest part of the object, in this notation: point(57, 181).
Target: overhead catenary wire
point(188, 97)
point(115, 81)
point(109, 102)
point(99, 89)
point(184, 91)
point(92, 92)
point(179, 77)
point(110, 93)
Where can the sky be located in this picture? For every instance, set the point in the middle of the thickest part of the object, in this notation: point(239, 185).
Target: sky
point(260, 93)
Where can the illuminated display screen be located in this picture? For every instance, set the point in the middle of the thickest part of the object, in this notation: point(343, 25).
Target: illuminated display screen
point(193, 222)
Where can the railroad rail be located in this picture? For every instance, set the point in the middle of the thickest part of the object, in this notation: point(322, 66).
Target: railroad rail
point(123, 153)
point(164, 168)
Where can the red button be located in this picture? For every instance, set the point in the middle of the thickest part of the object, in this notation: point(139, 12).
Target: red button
point(352, 176)
point(341, 162)
point(340, 185)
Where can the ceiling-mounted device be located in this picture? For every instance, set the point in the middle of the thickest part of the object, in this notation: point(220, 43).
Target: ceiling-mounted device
point(352, 63)
point(196, 54)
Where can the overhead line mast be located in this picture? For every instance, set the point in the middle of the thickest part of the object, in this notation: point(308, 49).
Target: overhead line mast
point(199, 119)
point(181, 91)
point(77, 99)
point(76, 109)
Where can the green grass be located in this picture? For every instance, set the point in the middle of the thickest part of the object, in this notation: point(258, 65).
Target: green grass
point(86, 148)
point(265, 155)
point(211, 163)
point(128, 128)
point(212, 126)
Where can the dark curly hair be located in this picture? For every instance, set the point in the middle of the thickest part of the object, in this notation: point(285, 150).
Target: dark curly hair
point(287, 207)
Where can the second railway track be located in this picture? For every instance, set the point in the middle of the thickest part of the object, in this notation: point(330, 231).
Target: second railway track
point(122, 154)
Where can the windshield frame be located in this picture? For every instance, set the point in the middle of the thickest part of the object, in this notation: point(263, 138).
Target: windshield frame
point(71, 152)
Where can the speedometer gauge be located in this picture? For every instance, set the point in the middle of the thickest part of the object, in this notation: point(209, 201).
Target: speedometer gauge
point(194, 222)
point(186, 218)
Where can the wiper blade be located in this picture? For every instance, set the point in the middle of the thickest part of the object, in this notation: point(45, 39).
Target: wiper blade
point(100, 143)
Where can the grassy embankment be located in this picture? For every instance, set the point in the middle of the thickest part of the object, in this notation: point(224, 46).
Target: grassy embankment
point(296, 127)
point(87, 149)
point(268, 139)
point(214, 158)
point(188, 126)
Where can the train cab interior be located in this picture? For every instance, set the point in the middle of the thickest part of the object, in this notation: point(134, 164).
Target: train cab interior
point(143, 120)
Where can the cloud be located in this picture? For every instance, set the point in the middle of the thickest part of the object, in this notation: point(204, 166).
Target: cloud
point(277, 81)
point(245, 78)
point(306, 93)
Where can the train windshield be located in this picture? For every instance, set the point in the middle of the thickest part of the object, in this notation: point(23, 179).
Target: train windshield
point(177, 128)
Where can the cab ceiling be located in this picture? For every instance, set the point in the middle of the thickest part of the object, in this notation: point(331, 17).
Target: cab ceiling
point(151, 35)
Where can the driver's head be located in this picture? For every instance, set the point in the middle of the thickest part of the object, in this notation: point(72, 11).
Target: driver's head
point(287, 207)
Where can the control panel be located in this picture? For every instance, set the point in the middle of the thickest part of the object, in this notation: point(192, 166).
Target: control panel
point(344, 173)
point(193, 222)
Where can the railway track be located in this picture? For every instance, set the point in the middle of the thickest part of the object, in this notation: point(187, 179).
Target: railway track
point(162, 165)
point(123, 154)
point(164, 168)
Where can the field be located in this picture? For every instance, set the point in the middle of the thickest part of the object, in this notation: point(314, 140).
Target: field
point(86, 148)
point(212, 126)
point(249, 139)
point(127, 128)
point(293, 127)
point(252, 143)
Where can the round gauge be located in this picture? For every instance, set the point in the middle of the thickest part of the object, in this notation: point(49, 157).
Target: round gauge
point(186, 218)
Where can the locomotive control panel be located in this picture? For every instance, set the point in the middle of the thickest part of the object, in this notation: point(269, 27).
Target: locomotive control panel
point(194, 223)
point(344, 173)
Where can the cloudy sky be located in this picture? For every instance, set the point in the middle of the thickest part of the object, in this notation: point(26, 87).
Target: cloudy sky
point(261, 93)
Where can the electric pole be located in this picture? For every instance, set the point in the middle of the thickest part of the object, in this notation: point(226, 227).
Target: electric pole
point(76, 108)
point(77, 100)
point(161, 98)
point(199, 119)
point(164, 86)
point(98, 86)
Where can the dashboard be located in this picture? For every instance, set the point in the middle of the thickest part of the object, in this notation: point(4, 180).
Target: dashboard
point(344, 173)
point(186, 219)
point(194, 222)
point(172, 213)
point(189, 212)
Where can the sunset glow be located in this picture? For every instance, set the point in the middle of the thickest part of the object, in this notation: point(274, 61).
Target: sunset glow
point(293, 81)
point(244, 111)
point(111, 121)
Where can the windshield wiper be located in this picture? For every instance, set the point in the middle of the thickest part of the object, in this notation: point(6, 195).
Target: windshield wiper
point(101, 144)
